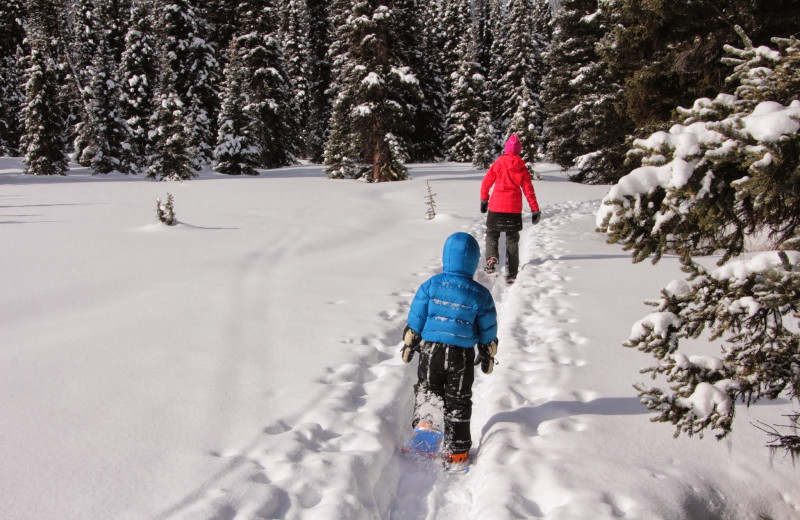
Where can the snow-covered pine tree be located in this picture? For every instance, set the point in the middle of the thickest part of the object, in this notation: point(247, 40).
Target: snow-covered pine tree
point(185, 34)
point(170, 139)
point(483, 153)
point(102, 131)
point(86, 30)
point(12, 34)
point(269, 86)
point(495, 97)
point(424, 135)
point(455, 21)
point(725, 178)
point(221, 16)
point(578, 93)
point(138, 81)
point(237, 151)
point(294, 42)
point(319, 77)
point(373, 87)
point(467, 85)
point(520, 86)
point(44, 137)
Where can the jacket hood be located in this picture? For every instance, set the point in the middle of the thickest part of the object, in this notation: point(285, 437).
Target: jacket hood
point(461, 254)
point(513, 145)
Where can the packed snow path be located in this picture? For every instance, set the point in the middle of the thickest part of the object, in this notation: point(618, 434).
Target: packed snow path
point(341, 458)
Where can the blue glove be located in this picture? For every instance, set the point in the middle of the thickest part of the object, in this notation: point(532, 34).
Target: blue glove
point(536, 216)
point(484, 206)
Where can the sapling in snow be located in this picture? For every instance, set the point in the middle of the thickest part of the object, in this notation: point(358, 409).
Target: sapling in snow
point(166, 210)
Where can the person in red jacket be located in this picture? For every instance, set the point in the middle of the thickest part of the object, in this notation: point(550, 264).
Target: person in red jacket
point(510, 178)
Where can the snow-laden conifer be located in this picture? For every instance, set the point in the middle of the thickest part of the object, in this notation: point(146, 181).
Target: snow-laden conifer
point(294, 32)
point(722, 179)
point(138, 73)
point(525, 41)
point(319, 78)
point(171, 151)
point(237, 151)
point(11, 75)
point(44, 137)
point(269, 86)
point(184, 34)
point(467, 85)
point(374, 89)
point(578, 92)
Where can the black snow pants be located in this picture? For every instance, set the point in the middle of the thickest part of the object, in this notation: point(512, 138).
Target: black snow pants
point(444, 378)
point(511, 225)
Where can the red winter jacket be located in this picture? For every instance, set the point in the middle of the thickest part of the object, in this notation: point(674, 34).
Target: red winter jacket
point(508, 175)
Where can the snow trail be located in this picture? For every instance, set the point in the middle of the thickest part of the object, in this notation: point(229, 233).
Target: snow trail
point(535, 355)
point(320, 461)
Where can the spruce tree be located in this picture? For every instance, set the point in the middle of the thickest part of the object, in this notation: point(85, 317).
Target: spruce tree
point(102, 131)
point(171, 147)
point(44, 139)
point(138, 82)
point(579, 94)
point(424, 134)
point(269, 85)
point(520, 85)
point(237, 151)
point(12, 33)
point(374, 87)
point(319, 78)
point(294, 27)
point(484, 147)
point(726, 177)
point(185, 36)
point(466, 102)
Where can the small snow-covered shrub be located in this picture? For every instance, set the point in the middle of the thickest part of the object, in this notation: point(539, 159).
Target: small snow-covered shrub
point(165, 210)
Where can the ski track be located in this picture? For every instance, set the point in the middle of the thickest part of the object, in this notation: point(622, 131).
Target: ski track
point(295, 468)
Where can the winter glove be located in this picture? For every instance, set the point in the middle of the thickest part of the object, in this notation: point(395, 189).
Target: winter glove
point(487, 352)
point(536, 216)
point(484, 206)
point(411, 341)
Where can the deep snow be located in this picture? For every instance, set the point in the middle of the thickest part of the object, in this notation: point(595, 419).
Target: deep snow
point(244, 364)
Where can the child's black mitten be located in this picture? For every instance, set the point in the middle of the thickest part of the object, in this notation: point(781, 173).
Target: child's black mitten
point(487, 352)
point(411, 341)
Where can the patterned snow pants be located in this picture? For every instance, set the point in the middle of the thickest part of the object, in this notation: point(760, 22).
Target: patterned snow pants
point(444, 378)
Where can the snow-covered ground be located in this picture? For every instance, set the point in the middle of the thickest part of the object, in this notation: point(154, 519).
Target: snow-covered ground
point(244, 364)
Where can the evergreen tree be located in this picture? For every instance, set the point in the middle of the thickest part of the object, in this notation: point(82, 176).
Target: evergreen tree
point(237, 151)
point(726, 177)
point(171, 158)
point(43, 141)
point(221, 16)
point(294, 41)
point(580, 97)
point(667, 57)
point(424, 134)
point(138, 82)
point(373, 86)
point(185, 37)
point(269, 85)
point(319, 78)
point(12, 14)
point(495, 94)
point(484, 148)
point(520, 85)
point(102, 131)
point(466, 105)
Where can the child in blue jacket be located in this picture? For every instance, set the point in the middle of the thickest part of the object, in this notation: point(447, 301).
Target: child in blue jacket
point(451, 313)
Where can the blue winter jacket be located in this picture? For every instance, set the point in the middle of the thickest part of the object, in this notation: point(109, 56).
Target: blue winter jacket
point(451, 307)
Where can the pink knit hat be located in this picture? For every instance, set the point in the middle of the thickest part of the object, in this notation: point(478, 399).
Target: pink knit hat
point(513, 145)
